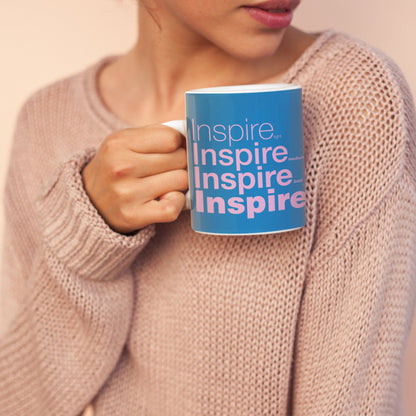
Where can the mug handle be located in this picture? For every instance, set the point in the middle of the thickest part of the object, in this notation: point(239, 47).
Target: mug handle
point(180, 126)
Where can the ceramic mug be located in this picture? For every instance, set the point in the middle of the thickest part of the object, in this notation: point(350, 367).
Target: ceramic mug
point(245, 158)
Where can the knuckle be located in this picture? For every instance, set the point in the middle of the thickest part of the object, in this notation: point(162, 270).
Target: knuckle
point(171, 211)
point(113, 137)
point(113, 142)
point(119, 196)
point(173, 141)
point(108, 149)
point(117, 170)
point(127, 217)
point(118, 135)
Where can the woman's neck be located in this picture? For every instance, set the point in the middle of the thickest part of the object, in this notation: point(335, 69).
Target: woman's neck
point(147, 84)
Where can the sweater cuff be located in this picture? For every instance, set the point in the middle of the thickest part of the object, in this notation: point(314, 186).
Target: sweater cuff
point(75, 232)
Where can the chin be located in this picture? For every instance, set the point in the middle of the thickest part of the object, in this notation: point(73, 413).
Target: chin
point(255, 47)
point(256, 52)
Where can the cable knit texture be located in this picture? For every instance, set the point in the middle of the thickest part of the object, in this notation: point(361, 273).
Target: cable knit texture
point(168, 322)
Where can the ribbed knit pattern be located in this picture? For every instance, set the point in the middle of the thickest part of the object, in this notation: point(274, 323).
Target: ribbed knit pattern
point(168, 322)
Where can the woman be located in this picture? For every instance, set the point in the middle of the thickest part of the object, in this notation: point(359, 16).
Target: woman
point(118, 303)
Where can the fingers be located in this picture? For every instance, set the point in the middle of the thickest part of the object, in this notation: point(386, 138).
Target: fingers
point(137, 177)
point(152, 164)
point(149, 139)
point(136, 165)
point(144, 152)
point(136, 203)
point(154, 187)
point(166, 209)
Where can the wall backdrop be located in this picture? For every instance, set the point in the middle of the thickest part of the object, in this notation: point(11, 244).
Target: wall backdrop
point(44, 40)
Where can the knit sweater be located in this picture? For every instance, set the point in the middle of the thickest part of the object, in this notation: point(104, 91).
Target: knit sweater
point(168, 322)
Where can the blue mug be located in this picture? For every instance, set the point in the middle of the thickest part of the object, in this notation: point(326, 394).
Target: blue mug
point(245, 159)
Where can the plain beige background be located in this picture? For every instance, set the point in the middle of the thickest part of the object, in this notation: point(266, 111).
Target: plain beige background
point(44, 40)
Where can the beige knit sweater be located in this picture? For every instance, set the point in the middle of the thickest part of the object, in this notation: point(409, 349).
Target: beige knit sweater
point(171, 322)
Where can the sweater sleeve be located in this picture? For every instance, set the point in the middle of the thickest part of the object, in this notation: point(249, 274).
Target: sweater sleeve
point(360, 288)
point(74, 292)
point(356, 315)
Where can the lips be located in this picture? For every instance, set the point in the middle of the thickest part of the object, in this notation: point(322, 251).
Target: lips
point(273, 14)
point(277, 6)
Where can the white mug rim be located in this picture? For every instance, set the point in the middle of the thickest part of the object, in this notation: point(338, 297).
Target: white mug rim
point(249, 88)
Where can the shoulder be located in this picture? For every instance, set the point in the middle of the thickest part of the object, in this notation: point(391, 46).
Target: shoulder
point(60, 118)
point(358, 99)
point(360, 129)
point(339, 54)
point(58, 100)
point(68, 107)
point(54, 123)
point(348, 71)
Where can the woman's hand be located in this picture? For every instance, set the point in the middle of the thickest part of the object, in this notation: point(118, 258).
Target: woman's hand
point(137, 177)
